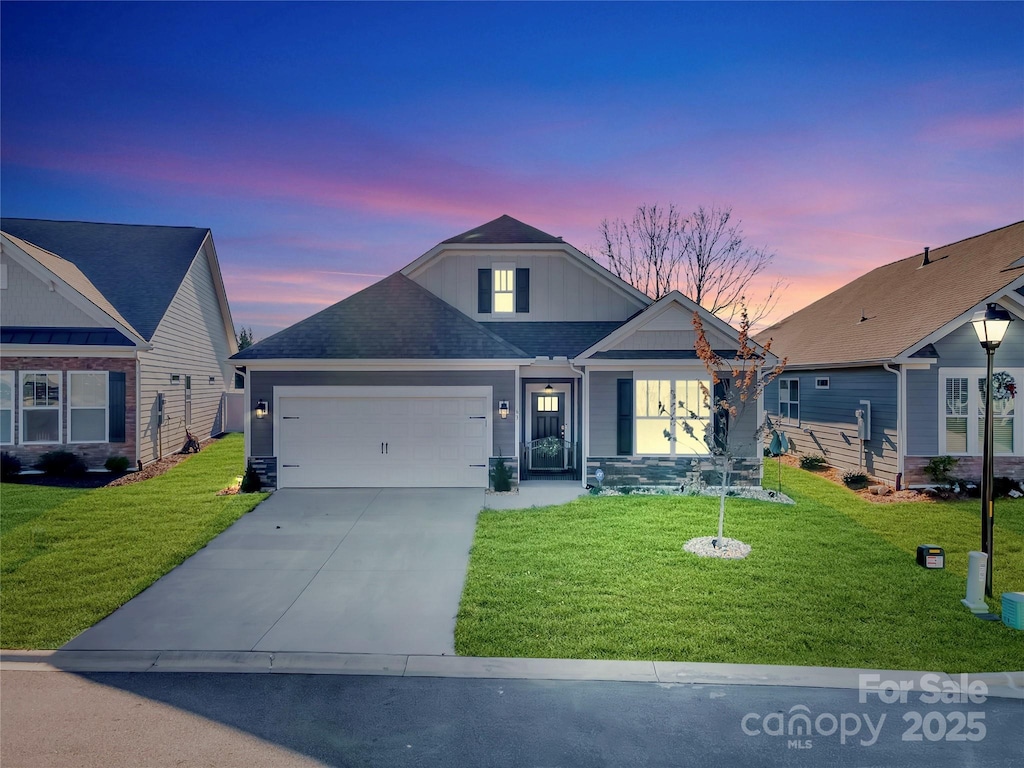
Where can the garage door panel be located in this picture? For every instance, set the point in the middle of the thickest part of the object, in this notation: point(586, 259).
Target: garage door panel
point(336, 441)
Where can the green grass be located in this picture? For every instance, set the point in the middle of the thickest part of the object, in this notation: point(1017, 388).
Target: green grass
point(831, 581)
point(69, 557)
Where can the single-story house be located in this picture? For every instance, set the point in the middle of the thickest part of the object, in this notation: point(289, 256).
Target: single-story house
point(501, 344)
point(887, 372)
point(114, 339)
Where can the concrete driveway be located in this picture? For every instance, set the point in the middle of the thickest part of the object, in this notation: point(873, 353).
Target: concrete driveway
point(363, 570)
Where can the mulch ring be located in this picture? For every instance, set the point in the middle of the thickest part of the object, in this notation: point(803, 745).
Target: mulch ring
point(836, 476)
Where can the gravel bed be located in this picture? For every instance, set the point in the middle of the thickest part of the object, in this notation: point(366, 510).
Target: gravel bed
point(728, 549)
point(735, 492)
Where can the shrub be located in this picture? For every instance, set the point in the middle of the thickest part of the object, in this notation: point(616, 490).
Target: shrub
point(251, 482)
point(938, 469)
point(501, 476)
point(855, 480)
point(61, 464)
point(117, 464)
point(10, 466)
point(813, 463)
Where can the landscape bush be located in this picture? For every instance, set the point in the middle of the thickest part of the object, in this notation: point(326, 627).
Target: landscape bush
point(501, 476)
point(117, 464)
point(61, 464)
point(939, 467)
point(855, 480)
point(813, 463)
point(251, 482)
point(10, 466)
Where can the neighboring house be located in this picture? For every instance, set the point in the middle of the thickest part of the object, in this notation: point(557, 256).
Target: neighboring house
point(113, 339)
point(897, 344)
point(503, 343)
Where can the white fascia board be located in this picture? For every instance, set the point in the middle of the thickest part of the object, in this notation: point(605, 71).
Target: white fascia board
point(11, 249)
point(564, 250)
point(68, 350)
point(222, 297)
point(625, 365)
point(356, 391)
point(379, 365)
point(1006, 296)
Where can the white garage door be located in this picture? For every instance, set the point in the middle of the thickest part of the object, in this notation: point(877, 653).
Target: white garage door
point(394, 441)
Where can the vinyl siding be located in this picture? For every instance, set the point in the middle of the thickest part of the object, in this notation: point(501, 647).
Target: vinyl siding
point(189, 341)
point(560, 289)
point(959, 349)
point(828, 424)
point(262, 383)
point(28, 301)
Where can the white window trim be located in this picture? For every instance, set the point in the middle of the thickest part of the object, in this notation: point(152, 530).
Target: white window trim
point(818, 382)
point(672, 378)
point(495, 269)
point(790, 419)
point(106, 407)
point(14, 395)
point(60, 408)
point(974, 406)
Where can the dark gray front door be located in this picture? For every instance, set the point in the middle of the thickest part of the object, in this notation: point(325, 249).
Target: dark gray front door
point(548, 421)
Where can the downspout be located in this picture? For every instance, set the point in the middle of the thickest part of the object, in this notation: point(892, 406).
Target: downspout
point(584, 432)
point(901, 407)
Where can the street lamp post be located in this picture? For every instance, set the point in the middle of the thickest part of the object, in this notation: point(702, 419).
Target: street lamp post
point(990, 324)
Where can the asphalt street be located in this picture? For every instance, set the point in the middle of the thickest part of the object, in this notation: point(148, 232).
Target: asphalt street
point(56, 719)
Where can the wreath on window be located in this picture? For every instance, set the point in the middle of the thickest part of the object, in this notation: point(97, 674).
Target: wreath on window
point(1003, 386)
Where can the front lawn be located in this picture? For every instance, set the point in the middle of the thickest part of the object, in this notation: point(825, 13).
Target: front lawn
point(831, 581)
point(69, 557)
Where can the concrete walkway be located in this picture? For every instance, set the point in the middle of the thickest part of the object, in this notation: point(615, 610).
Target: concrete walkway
point(342, 571)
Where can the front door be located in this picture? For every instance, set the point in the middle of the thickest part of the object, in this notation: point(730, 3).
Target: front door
point(548, 421)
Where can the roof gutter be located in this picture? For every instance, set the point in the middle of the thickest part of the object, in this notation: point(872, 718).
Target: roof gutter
point(901, 409)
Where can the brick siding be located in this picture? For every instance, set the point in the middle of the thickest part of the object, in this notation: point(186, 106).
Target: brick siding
point(667, 470)
point(967, 468)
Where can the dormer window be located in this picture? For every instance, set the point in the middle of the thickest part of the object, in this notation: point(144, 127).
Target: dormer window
point(503, 290)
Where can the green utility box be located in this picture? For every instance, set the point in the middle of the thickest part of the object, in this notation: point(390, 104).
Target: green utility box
point(1013, 609)
point(931, 556)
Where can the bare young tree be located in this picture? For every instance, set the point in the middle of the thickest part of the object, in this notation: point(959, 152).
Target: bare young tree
point(705, 256)
point(646, 251)
point(720, 268)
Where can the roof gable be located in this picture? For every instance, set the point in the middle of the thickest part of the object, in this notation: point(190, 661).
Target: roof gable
point(503, 230)
point(136, 268)
point(894, 308)
point(392, 319)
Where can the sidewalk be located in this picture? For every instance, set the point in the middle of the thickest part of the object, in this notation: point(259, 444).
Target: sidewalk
point(1009, 685)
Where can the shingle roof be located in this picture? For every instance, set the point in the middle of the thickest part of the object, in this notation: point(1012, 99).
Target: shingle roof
point(137, 268)
point(392, 319)
point(107, 337)
point(504, 230)
point(658, 354)
point(901, 303)
point(553, 339)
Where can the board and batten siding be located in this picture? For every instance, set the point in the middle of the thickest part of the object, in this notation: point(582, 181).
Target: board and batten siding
point(262, 383)
point(958, 349)
point(828, 422)
point(560, 289)
point(28, 301)
point(191, 340)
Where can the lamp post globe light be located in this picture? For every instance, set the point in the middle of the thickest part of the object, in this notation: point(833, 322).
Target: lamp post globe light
point(990, 324)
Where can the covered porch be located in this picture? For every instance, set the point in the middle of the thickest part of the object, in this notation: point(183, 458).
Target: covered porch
point(550, 429)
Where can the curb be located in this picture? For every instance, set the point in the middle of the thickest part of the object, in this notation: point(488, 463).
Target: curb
point(1008, 685)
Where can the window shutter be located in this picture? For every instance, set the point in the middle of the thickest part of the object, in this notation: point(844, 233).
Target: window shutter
point(522, 290)
point(483, 291)
point(721, 416)
point(116, 403)
point(625, 418)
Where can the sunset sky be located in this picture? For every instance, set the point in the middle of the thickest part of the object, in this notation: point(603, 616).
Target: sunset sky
point(329, 144)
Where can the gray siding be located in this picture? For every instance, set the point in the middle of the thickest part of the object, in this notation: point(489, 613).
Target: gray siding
point(959, 349)
point(560, 288)
point(603, 411)
point(27, 301)
point(262, 383)
point(828, 425)
point(189, 341)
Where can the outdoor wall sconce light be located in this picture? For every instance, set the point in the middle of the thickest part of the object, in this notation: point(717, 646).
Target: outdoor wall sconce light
point(503, 408)
point(548, 389)
point(990, 324)
point(261, 409)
